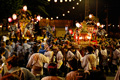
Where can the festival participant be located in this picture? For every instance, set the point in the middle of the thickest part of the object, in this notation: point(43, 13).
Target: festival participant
point(7, 52)
point(13, 67)
point(13, 30)
point(117, 76)
point(36, 63)
point(52, 69)
point(29, 27)
point(89, 60)
point(104, 63)
point(116, 56)
point(96, 52)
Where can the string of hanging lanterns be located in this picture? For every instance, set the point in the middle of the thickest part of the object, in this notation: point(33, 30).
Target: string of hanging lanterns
point(68, 11)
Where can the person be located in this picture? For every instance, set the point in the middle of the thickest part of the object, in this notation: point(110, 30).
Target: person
point(13, 30)
point(52, 69)
point(29, 27)
point(89, 60)
point(104, 62)
point(13, 67)
point(3, 68)
point(117, 76)
point(36, 63)
point(7, 52)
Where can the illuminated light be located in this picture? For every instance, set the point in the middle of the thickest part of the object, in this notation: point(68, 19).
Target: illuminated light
point(70, 0)
point(14, 16)
point(73, 7)
point(8, 27)
point(23, 36)
point(70, 31)
point(73, 0)
point(9, 19)
point(65, 0)
point(76, 37)
point(41, 17)
point(80, 0)
point(63, 14)
point(90, 16)
point(55, 0)
point(102, 26)
point(98, 24)
point(77, 25)
point(51, 18)
point(46, 18)
point(61, 1)
point(32, 19)
point(0, 26)
point(27, 39)
point(38, 18)
point(56, 17)
point(113, 25)
point(118, 25)
point(80, 37)
point(25, 8)
point(88, 37)
point(106, 34)
point(68, 11)
point(77, 3)
point(48, 0)
point(32, 35)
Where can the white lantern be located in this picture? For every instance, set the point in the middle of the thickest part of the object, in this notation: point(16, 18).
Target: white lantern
point(25, 8)
point(77, 25)
point(38, 18)
point(14, 16)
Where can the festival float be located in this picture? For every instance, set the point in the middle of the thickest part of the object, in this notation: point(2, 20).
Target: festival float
point(86, 31)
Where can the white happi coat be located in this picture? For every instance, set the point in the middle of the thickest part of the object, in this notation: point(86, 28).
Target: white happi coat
point(86, 63)
point(37, 59)
point(59, 57)
point(70, 55)
point(78, 55)
point(48, 54)
point(104, 52)
point(116, 55)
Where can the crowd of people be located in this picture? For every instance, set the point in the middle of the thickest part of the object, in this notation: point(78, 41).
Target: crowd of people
point(56, 57)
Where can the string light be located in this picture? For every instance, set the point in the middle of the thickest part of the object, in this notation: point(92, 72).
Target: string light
point(48, 0)
point(56, 17)
point(68, 11)
point(70, 0)
point(61, 1)
point(63, 14)
point(77, 3)
point(55, 0)
point(73, 7)
point(65, 0)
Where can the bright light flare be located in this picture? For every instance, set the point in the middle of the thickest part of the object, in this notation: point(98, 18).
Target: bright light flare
point(9, 19)
point(14, 16)
point(25, 8)
point(38, 18)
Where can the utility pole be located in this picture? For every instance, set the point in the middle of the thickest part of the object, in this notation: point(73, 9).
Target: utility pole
point(86, 8)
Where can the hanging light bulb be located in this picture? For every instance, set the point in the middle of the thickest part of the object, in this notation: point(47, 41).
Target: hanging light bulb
point(80, 0)
point(65, 0)
point(55, 0)
point(63, 14)
point(61, 1)
point(70, 0)
point(73, 7)
point(48, 0)
point(51, 18)
point(68, 11)
point(56, 17)
point(77, 3)
point(14, 16)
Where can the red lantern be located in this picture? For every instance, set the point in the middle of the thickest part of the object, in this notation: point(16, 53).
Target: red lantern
point(70, 31)
point(9, 19)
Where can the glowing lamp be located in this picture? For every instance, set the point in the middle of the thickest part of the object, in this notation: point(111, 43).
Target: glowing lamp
point(76, 37)
point(0, 26)
point(98, 24)
point(48, 0)
point(63, 14)
point(90, 16)
point(77, 25)
point(89, 37)
point(70, 31)
point(73, 7)
point(25, 8)
point(14, 16)
point(80, 37)
point(65, 0)
point(9, 19)
point(55, 0)
point(38, 18)
point(61, 1)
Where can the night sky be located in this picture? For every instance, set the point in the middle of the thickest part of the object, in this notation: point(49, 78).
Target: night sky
point(111, 7)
